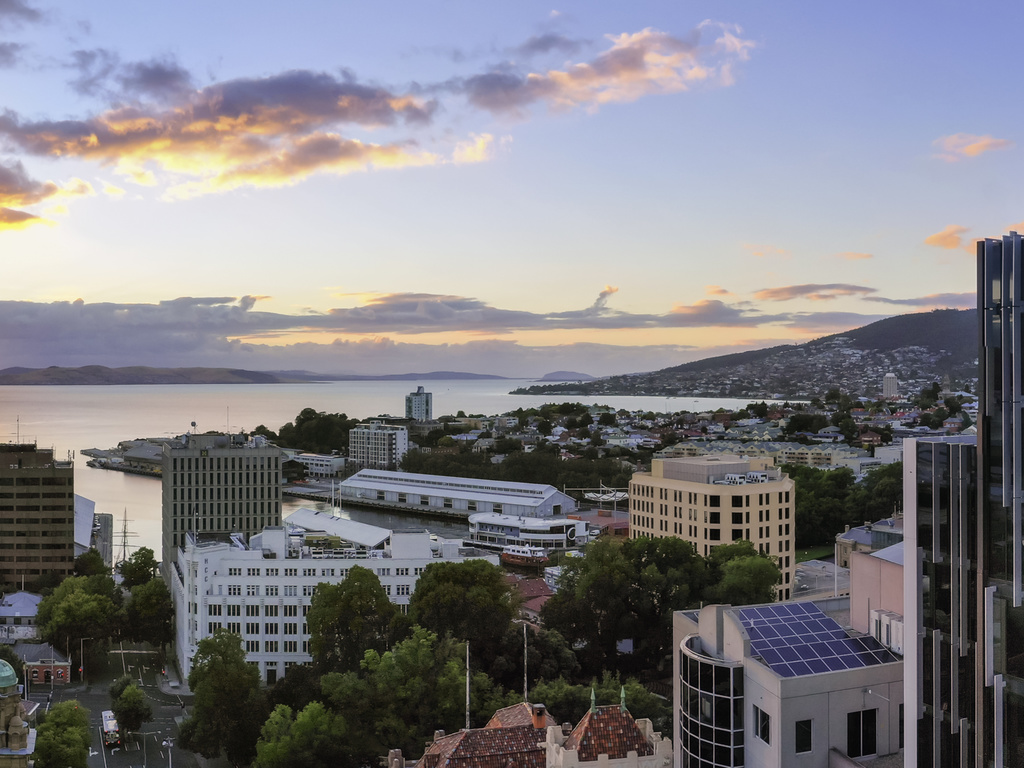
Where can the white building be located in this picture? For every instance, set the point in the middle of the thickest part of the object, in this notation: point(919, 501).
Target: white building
point(377, 445)
point(262, 591)
point(495, 531)
point(890, 387)
point(419, 405)
point(320, 465)
point(456, 495)
point(782, 686)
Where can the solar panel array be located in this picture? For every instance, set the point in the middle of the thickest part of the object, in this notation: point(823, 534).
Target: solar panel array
point(799, 639)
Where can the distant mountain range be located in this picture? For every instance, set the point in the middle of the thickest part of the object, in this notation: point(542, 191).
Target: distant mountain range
point(919, 348)
point(99, 375)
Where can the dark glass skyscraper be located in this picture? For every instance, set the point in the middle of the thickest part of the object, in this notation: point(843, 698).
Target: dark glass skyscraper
point(965, 675)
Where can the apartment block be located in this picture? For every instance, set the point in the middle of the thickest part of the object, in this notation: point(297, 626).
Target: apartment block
point(377, 445)
point(712, 500)
point(419, 405)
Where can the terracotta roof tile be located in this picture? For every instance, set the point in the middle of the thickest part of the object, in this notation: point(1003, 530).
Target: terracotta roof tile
point(517, 714)
point(608, 731)
point(503, 747)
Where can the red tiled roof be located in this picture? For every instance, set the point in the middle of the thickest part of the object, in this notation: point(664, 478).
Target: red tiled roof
point(504, 747)
point(608, 731)
point(517, 714)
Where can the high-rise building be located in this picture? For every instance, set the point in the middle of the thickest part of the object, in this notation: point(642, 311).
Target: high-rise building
point(37, 514)
point(966, 680)
point(419, 405)
point(218, 484)
point(718, 499)
point(890, 386)
point(377, 445)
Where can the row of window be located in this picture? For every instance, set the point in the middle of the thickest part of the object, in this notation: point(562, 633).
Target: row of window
point(206, 463)
point(861, 732)
point(291, 590)
point(214, 609)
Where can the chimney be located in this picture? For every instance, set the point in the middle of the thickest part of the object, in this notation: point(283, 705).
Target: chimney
point(539, 719)
point(566, 729)
point(438, 735)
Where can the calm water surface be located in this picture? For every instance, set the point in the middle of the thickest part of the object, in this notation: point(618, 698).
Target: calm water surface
point(69, 419)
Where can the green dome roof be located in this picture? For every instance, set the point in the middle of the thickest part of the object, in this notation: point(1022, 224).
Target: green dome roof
point(8, 676)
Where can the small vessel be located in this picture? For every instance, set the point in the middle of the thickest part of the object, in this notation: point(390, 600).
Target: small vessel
point(534, 557)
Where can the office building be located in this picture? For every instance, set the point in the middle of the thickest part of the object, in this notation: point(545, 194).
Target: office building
point(781, 685)
point(377, 445)
point(965, 683)
point(218, 483)
point(419, 405)
point(262, 590)
point(712, 500)
point(37, 515)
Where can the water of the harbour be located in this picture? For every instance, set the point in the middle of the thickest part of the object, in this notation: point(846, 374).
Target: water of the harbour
point(69, 419)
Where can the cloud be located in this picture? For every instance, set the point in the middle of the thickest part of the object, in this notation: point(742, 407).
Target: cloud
point(637, 64)
point(763, 251)
point(11, 219)
point(10, 55)
point(18, 11)
point(546, 43)
point(111, 190)
point(967, 300)
point(950, 238)
point(812, 291)
point(476, 150)
point(711, 313)
point(162, 79)
point(854, 255)
point(94, 68)
point(255, 131)
point(961, 145)
point(717, 290)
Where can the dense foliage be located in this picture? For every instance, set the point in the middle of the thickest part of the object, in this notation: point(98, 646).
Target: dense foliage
point(63, 737)
point(829, 500)
point(313, 431)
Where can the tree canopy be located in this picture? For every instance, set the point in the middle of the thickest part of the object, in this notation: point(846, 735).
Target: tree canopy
point(81, 606)
point(63, 737)
point(139, 568)
point(349, 618)
point(149, 612)
point(131, 708)
point(90, 563)
point(228, 709)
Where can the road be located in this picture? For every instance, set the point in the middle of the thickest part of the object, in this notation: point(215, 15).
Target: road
point(138, 750)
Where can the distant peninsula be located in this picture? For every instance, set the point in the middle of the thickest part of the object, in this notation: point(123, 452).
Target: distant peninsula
point(134, 375)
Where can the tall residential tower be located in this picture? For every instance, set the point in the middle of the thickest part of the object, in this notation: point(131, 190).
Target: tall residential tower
point(419, 405)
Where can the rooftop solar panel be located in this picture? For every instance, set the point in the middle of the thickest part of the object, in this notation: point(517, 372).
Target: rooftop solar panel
point(800, 639)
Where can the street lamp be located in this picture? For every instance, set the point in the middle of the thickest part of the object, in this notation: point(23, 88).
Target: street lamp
point(81, 657)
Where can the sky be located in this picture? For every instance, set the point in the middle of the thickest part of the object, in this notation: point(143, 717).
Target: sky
point(503, 188)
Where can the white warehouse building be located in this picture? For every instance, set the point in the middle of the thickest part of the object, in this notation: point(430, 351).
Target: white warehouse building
point(457, 496)
point(262, 591)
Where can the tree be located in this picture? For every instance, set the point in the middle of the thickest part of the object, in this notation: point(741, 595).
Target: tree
point(137, 569)
point(349, 618)
point(317, 432)
point(469, 601)
point(149, 613)
point(570, 702)
point(63, 738)
point(228, 709)
point(82, 606)
point(90, 563)
point(314, 738)
point(131, 708)
point(119, 685)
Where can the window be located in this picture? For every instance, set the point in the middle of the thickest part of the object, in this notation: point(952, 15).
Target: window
point(291, 629)
point(270, 629)
point(214, 610)
point(290, 590)
point(270, 646)
point(252, 610)
point(254, 572)
point(860, 733)
point(252, 590)
point(234, 571)
point(291, 571)
point(252, 646)
point(252, 628)
point(401, 571)
point(272, 571)
point(270, 610)
point(763, 725)
point(291, 610)
point(803, 736)
point(307, 590)
point(402, 590)
point(234, 589)
point(234, 610)
point(234, 627)
point(290, 646)
point(213, 627)
point(383, 571)
point(309, 571)
point(272, 591)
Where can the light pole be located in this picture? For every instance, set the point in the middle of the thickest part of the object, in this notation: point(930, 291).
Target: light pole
point(81, 657)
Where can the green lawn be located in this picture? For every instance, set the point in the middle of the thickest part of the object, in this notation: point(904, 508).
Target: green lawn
point(814, 553)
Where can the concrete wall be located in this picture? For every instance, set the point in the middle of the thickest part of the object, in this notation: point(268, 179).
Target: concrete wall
point(874, 583)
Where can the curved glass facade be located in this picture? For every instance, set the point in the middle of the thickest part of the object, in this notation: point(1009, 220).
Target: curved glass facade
point(711, 708)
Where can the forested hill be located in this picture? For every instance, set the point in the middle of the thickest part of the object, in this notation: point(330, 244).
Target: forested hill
point(919, 348)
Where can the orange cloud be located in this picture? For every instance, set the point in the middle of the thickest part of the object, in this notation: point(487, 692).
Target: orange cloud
point(854, 256)
point(637, 64)
point(717, 290)
point(814, 292)
point(765, 250)
point(475, 150)
point(960, 145)
point(950, 238)
point(11, 219)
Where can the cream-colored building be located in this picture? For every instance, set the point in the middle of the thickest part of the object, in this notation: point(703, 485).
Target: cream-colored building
point(712, 500)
